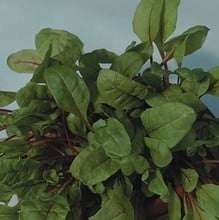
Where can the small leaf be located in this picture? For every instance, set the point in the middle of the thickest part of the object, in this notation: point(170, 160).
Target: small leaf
point(174, 206)
point(92, 166)
point(208, 198)
point(6, 98)
point(166, 125)
point(119, 91)
point(213, 75)
point(168, 23)
point(128, 64)
point(68, 89)
point(61, 42)
point(158, 186)
point(186, 43)
point(75, 125)
point(113, 138)
point(189, 179)
point(45, 207)
point(118, 207)
point(146, 20)
point(24, 61)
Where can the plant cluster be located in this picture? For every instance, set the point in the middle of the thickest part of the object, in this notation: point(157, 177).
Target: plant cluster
point(90, 142)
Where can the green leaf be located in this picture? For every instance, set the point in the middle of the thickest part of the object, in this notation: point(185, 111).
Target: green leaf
point(68, 89)
point(186, 43)
point(167, 22)
point(166, 125)
point(119, 91)
point(146, 22)
point(208, 198)
point(213, 75)
point(174, 206)
point(92, 166)
point(118, 207)
point(113, 138)
point(6, 98)
point(128, 64)
point(189, 179)
point(24, 61)
point(46, 207)
point(75, 125)
point(158, 186)
point(38, 76)
point(8, 213)
point(62, 42)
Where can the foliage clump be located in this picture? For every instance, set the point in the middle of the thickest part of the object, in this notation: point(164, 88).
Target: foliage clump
point(88, 142)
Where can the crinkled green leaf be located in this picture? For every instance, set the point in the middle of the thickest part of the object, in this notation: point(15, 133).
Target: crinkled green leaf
point(24, 61)
point(128, 64)
point(5, 121)
point(174, 206)
point(146, 21)
point(167, 23)
point(119, 91)
point(189, 179)
point(45, 207)
point(68, 89)
point(166, 125)
point(186, 43)
point(158, 186)
point(118, 207)
point(62, 42)
point(6, 98)
point(208, 198)
point(9, 213)
point(113, 138)
point(92, 166)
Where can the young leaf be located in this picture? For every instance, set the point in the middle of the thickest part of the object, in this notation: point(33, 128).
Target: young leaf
point(189, 179)
point(92, 166)
point(208, 198)
point(113, 138)
point(158, 186)
point(166, 125)
point(146, 20)
point(213, 75)
point(45, 207)
point(24, 61)
point(174, 206)
point(75, 125)
point(186, 43)
point(119, 91)
point(118, 207)
point(60, 41)
point(68, 89)
point(6, 98)
point(129, 63)
point(168, 20)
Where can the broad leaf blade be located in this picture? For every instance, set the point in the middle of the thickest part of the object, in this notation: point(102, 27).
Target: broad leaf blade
point(128, 64)
point(189, 179)
point(208, 198)
point(6, 98)
point(213, 75)
point(9, 213)
point(168, 20)
point(119, 91)
point(146, 20)
point(92, 166)
point(166, 125)
point(68, 89)
point(24, 61)
point(174, 206)
point(113, 138)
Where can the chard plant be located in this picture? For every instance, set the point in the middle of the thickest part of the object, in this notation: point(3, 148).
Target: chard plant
point(117, 143)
